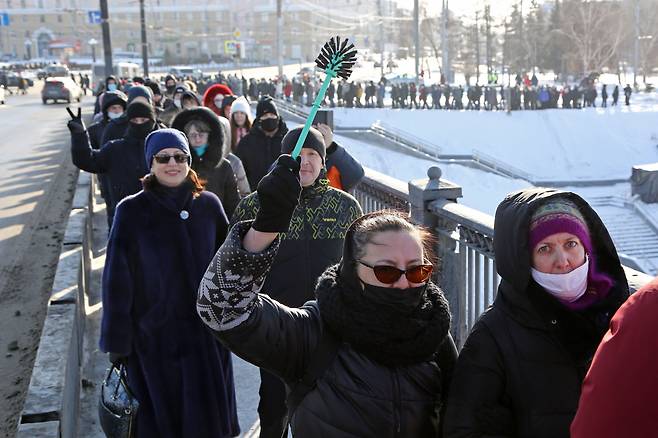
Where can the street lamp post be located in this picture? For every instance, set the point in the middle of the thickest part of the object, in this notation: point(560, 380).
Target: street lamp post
point(92, 43)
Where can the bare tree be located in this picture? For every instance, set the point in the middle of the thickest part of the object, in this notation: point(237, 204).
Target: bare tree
point(648, 35)
point(594, 31)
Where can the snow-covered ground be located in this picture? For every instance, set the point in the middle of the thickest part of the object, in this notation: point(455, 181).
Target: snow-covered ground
point(557, 144)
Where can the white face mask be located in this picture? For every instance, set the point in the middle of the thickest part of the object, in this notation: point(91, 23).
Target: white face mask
point(177, 103)
point(113, 116)
point(566, 287)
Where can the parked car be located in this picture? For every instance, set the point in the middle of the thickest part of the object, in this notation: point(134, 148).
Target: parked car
point(13, 78)
point(61, 88)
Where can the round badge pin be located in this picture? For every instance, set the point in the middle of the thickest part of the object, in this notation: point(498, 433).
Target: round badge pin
point(184, 214)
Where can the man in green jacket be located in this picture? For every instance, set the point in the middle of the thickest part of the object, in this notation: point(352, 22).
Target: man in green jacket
point(313, 242)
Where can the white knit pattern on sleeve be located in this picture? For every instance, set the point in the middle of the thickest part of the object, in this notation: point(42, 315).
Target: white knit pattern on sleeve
point(229, 288)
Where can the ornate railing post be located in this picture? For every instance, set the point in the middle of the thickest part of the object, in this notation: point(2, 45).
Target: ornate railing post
point(451, 269)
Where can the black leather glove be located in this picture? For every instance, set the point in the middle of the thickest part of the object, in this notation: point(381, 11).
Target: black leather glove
point(278, 195)
point(116, 358)
point(76, 125)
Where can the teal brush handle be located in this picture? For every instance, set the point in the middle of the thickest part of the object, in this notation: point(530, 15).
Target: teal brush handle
point(316, 106)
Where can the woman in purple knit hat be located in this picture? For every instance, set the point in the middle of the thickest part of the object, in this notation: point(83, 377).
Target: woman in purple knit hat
point(520, 371)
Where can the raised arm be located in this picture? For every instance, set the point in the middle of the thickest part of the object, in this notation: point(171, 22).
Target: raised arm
point(254, 326)
point(82, 154)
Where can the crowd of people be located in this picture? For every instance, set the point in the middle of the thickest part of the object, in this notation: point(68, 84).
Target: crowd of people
point(525, 94)
point(220, 241)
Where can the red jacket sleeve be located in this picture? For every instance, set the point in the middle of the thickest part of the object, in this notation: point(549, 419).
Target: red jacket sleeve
point(620, 393)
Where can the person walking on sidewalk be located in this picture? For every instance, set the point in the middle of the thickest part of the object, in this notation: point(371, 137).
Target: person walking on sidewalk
point(313, 243)
point(203, 129)
point(162, 241)
point(372, 355)
point(121, 160)
point(615, 95)
point(113, 106)
point(627, 94)
point(241, 121)
point(262, 145)
point(520, 371)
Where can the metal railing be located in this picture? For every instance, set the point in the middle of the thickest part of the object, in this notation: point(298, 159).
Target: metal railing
point(406, 139)
point(378, 192)
point(467, 265)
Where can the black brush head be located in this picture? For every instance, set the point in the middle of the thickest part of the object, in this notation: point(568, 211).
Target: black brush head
point(338, 56)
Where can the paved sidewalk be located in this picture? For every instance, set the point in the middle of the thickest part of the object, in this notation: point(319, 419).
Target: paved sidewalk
point(95, 363)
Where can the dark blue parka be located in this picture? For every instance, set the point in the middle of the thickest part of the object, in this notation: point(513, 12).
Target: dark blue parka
point(181, 375)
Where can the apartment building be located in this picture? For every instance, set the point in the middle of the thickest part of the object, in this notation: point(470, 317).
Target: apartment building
point(186, 30)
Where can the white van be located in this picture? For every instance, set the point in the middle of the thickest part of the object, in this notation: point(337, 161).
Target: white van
point(120, 69)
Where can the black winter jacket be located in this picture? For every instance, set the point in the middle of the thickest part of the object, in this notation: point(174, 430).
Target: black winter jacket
point(121, 160)
point(95, 132)
point(313, 242)
point(356, 396)
point(258, 151)
point(521, 368)
point(212, 167)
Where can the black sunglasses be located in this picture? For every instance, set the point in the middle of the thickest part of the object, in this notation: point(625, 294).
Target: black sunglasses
point(391, 274)
point(164, 159)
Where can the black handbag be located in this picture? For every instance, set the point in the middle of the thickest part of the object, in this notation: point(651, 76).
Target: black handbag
point(117, 407)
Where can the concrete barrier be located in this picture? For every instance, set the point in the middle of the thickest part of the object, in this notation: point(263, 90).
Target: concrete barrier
point(52, 404)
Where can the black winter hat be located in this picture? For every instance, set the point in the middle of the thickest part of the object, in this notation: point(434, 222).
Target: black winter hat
point(190, 95)
point(169, 78)
point(228, 101)
point(154, 86)
point(115, 97)
point(180, 88)
point(140, 109)
point(266, 105)
point(314, 140)
point(140, 91)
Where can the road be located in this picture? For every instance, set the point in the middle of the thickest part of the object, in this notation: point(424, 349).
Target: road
point(36, 187)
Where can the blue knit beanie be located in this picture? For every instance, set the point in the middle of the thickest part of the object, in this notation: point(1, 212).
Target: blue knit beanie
point(164, 139)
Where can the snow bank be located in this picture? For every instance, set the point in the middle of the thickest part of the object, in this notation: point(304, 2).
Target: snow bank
point(572, 145)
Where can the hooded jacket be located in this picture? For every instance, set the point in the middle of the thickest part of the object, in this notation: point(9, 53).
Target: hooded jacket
point(209, 97)
point(212, 167)
point(97, 103)
point(95, 131)
point(520, 371)
point(236, 163)
point(116, 128)
point(356, 396)
point(258, 151)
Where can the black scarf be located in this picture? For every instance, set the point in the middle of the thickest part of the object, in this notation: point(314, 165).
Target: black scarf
point(383, 334)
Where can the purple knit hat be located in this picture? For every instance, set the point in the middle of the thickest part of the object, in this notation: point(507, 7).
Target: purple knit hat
point(561, 215)
point(558, 216)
